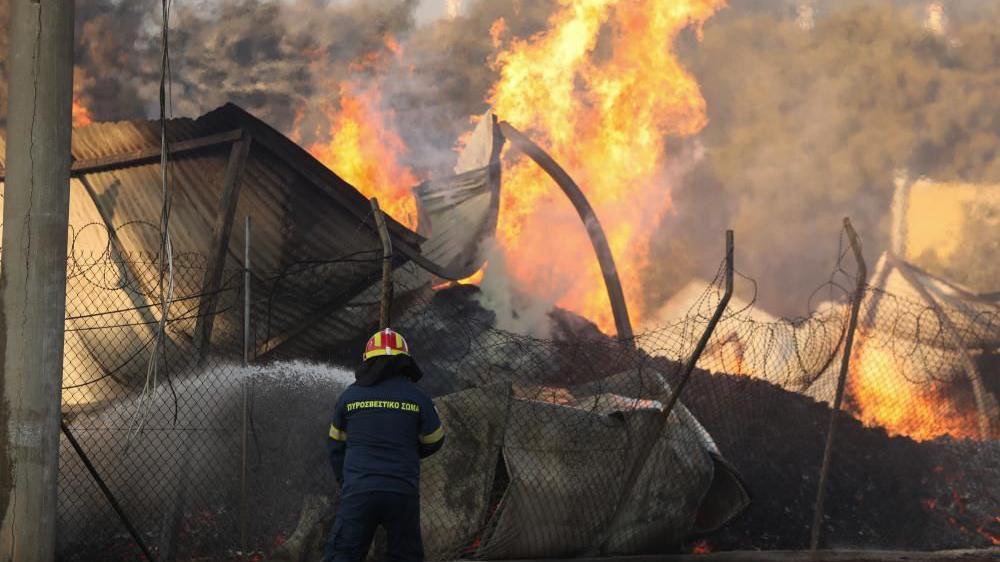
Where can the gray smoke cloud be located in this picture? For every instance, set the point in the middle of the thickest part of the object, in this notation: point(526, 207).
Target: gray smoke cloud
point(444, 76)
point(274, 58)
point(283, 60)
point(515, 311)
point(812, 106)
point(808, 123)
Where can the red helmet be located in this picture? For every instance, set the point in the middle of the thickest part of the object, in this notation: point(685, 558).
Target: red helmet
point(386, 342)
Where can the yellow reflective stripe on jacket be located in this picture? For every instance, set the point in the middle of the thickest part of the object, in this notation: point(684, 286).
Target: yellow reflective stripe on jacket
point(336, 434)
point(433, 437)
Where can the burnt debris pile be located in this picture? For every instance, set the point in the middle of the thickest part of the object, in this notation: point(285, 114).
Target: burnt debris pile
point(886, 491)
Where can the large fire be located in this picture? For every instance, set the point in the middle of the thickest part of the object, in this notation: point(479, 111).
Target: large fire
point(363, 148)
point(600, 89)
point(365, 152)
point(604, 117)
point(881, 396)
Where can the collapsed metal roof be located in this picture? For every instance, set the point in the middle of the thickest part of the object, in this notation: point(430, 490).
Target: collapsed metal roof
point(224, 166)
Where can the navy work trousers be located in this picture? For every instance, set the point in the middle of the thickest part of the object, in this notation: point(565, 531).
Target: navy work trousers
point(360, 514)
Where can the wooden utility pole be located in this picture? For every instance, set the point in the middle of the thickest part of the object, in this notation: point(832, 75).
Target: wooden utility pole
point(33, 273)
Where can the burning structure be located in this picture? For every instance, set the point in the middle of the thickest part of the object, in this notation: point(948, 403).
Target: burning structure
point(227, 164)
point(546, 423)
point(923, 342)
point(562, 416)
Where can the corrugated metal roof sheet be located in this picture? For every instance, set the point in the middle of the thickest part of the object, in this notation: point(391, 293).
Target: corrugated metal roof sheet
point(459, 212)
point(300, 211)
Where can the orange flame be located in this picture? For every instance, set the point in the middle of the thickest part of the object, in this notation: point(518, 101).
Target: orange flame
point(604, 118)
point(81, 115)
point(497, 30)
point(365, 152)
point(884, 397)
point(476, 277)
point(362, 146)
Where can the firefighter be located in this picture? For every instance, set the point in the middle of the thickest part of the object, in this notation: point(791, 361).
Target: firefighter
point(382, 426)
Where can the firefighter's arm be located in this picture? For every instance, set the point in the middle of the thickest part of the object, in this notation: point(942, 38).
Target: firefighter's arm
point(336, 444)
point(431, 430)
point(337, 450)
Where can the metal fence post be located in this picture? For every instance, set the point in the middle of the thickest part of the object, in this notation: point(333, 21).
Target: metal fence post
point(245, 384)
point(385, 308)
point(709, 330)
point(859, 291)
point(671, 401)
point(108, 495)
point(246, 292)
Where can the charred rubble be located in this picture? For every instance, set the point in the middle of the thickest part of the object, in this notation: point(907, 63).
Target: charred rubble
point(885, 491)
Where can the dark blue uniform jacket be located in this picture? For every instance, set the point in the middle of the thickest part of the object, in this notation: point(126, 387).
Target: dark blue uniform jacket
point(379, 433)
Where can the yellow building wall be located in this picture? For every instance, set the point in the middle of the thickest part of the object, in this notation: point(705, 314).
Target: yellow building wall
point(952, 228)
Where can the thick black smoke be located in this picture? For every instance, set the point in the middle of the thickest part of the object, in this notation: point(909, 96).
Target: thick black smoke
point(274, 58)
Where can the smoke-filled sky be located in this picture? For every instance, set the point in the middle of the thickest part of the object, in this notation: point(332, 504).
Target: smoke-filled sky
point(809, 120)
point(812, 104)
point(429, 10)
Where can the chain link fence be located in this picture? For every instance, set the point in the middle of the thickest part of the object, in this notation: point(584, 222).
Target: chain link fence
point(160, 426)
point(556, 447)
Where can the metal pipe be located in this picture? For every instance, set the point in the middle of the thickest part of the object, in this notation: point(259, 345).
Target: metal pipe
point(221, 232)
point(385, 309)
point(859, 291)
point(598, 240)
point(243, 473)
point(106, 491)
